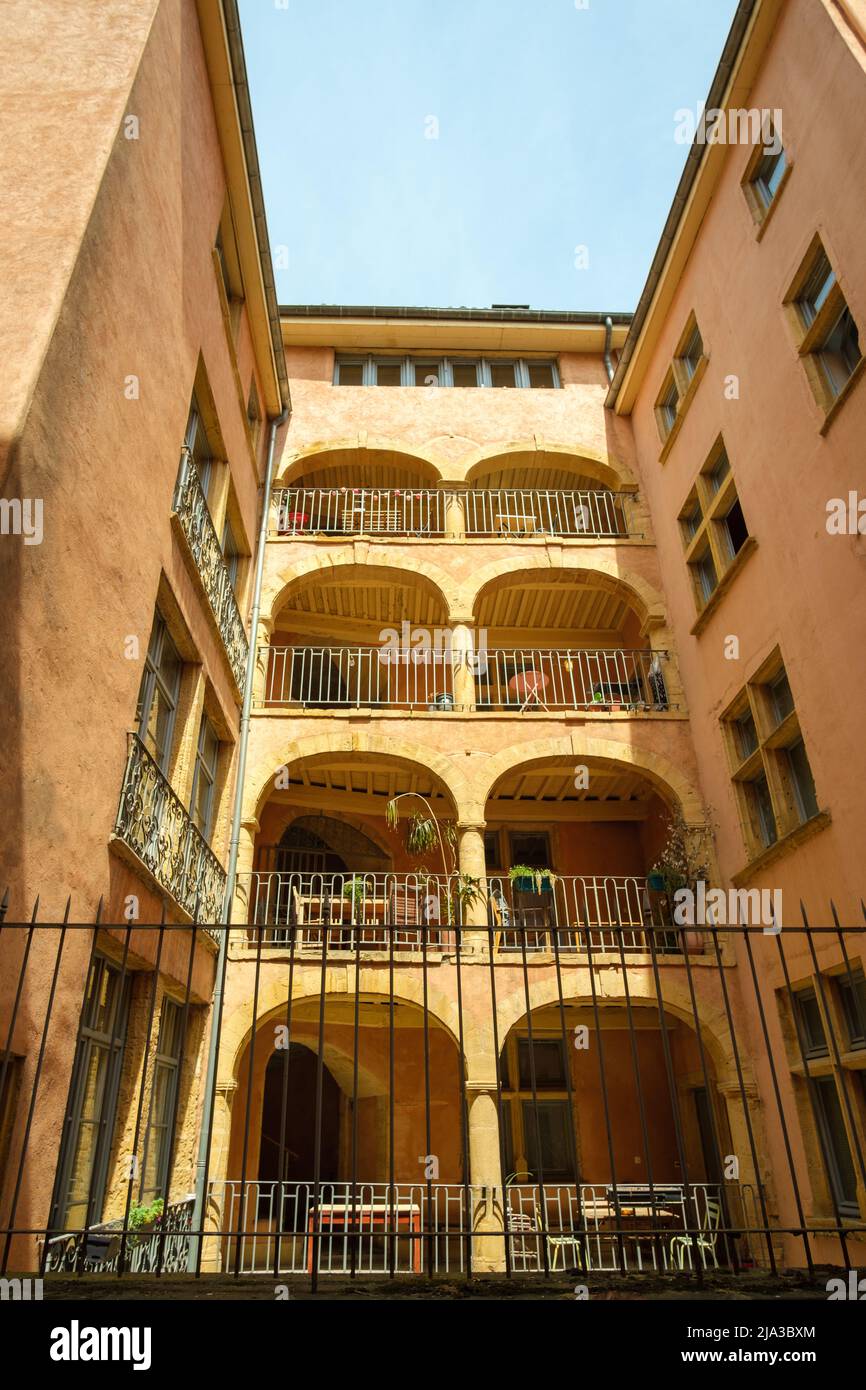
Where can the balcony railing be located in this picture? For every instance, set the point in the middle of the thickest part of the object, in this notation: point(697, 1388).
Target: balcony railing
point(190, 505)
point(427, 512)
point(524, 680)
point(153, 822)
point(431, 1228)
point(98, 1250)
point(360, 911)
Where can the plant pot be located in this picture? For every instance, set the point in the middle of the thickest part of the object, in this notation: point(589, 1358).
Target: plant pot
point(101, 1248)
point(524, 885)
point(655, 883)
point(441, 702)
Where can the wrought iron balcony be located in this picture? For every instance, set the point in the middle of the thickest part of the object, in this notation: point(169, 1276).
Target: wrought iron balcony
point(191, 508)
point(153, 822)
point(412, 912)
point(525, 680)
point(505, 513)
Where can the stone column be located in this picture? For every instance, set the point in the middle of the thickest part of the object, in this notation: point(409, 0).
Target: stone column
point(485, 1166)
point(219, 1206)
point(244, 884)
point(263, 656)
point(455, 512)
point(462, 662)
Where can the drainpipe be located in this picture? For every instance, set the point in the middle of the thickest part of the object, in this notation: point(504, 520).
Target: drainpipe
point(608, 360)
point(231, 875)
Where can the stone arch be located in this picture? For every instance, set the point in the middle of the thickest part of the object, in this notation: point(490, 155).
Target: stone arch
point(454, 781)
point(278, 586)
point(647, 601)
point(665, 776)
point(583, 459)
point(322, 453)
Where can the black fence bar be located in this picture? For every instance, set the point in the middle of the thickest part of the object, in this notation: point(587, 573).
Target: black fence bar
point(700, 1039)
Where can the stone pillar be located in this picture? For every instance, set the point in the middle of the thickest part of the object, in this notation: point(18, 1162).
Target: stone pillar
point(462, 662)
point(219, 1205)
point(455, 513)
point(263, 658)
point(485, 1166)
point(244, 884)
point(470, 858)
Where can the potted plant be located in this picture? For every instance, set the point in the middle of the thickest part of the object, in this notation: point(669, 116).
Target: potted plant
point(354, 889)
point(144, 1219)
point(527, 880)
point(683, 863)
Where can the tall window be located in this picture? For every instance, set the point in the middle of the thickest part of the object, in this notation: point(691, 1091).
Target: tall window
point(89, 1125)
point(824, 1093)
point(231, 553)
point(713, 526)
point(166, 1079)
point(823, 326)
point(196, 440)
point(539, 1135)
point(680, 382)
point(158, 694)
point(770, 768)
point(204, 778)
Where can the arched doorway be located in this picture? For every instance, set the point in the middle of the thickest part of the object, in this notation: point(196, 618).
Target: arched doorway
point(289, 1114)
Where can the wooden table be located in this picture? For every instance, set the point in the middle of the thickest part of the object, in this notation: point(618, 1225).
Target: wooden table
point(370, 1213)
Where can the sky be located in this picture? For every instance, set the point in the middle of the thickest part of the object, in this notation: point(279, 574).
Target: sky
point(473, 152)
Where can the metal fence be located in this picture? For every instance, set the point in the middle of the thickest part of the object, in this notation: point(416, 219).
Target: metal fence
point(517, 679)
point(516, 513)
point(693, 1106)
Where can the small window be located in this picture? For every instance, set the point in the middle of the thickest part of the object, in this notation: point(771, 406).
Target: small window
point(350, 373)
point(231, 554)
point(502, 374)
point(818, 285)
point(389, 373)
point(540, 375)
point(549, 1059)
point(204, 779)
point(768, 176)
point(852, 994)
point(762, 809)
point(735, 528)
point(464, 373)
point(780, 694)
point(667, 409)
point(692, 353)
point(746, 735)
point(706, 578)
point(427, 373)
point(158, 694)
point(801, 780)
point(812, 1034)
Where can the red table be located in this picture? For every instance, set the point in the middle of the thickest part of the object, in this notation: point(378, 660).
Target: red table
point(372, 1213)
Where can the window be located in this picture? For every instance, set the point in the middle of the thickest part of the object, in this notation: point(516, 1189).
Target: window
point(254, 415)
point(89, 1128)
point(834, 1142)
point(549, 1059)
point(823, 326)
point(531, 850)
point(765, 175)
point(231, 554)
point(812, 1037)
point(158, 694)
point(229, 267)
point(666, 407)
point(367, 369)
point(492, 850)
point(204, 778)
point(769, 764)
point(692, 352)
point(547, 1122)
point(852, 996)
point(196, 440)
point(155, 1172)
point(713, 526)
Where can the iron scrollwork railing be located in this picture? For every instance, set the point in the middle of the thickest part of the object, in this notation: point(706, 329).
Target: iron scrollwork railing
point(154, 823)
point(190, 505)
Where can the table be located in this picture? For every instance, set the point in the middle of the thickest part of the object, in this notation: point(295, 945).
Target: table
point(529, 684)
point(408, 1213)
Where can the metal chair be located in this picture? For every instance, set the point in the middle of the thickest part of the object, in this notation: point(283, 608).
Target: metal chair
point(705, 1239)
point(524, 1223)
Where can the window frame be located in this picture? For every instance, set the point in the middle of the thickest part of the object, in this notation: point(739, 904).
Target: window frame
point(812, 327)
point(443, 366)
point(157, 1131)
point(153, 678)
point(210, 772)
point(713, 501)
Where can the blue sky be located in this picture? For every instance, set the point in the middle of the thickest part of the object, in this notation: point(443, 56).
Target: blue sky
point(555, 132)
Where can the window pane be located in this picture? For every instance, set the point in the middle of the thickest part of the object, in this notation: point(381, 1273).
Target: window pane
point(531, 850)
point(763, 807)
point(837, 1151)
point(692, 352)
point(350, 374)
point(549, 1064)
point(464, 373)
point(816, 289)
point(388, 373)
point(854, 1007)
point(769, 175)
point(706, 575)
point(549, 1121)
point(747, 735)
point(719, 472)
point(801, 776)
point(811, 1023)
point(502, 373)
point(783, 700)
point(735, 528)
point(427, 373)
point(841, 351)
point(540, 374)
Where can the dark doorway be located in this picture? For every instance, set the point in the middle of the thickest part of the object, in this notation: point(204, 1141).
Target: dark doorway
point(300, 1131)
